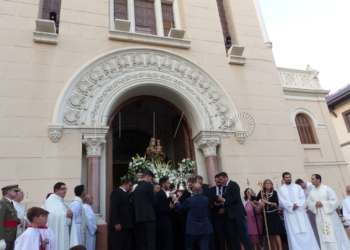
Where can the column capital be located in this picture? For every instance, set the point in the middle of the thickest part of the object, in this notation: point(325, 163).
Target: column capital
point(209, 146)
point(94, 146)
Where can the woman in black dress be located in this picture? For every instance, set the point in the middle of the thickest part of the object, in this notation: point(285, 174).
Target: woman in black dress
point(268, 198)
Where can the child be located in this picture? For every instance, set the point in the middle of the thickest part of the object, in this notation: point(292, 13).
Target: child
point(38, 236)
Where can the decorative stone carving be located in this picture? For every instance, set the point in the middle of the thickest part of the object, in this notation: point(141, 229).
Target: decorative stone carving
point(209, 146)
point(95, 76)
point(94, 146)
point(244, 126)
point(122, 62)
point(55, 134)
point(71, 117)
point(136, 60)
point(166, 63)
point(108, 68)
point(76, 101)
point(151, 60)
point(83, 103)
point(84, 87)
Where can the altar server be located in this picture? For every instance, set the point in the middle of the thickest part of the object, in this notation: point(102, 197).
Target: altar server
point(90, 223)
point(38, 235)
point(298, 227)
point(61, 219)
point(77, 208)
point(323, 202)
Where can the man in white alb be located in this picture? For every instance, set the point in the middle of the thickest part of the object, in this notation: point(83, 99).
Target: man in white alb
point(61, 219)
point(77, 208)
point(346, 206)
point(298, 227)
point(323, 202)
point(20, 211)
point(91, 225)
point(307, 186)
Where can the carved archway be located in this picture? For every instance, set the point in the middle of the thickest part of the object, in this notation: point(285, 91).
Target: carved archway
point(91, 95)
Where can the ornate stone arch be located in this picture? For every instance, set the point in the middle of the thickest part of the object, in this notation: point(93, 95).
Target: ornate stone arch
point(92, 93)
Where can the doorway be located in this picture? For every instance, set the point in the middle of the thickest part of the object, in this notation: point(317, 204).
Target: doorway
point(139, 119)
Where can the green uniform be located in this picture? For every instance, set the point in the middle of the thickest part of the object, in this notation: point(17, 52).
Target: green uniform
point(8, 220)
point(8, 223)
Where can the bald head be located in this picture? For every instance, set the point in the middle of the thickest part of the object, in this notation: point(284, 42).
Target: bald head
point(348, 190)
point(197, 188)
point(88, 199)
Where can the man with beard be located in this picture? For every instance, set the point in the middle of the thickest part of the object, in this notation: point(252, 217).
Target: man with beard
point(298, 227)
point(219, 215)
point(163, 215)
point(8, 218)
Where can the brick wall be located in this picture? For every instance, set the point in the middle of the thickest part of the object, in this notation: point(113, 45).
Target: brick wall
point(223, 18)
point(51, 6)
point(168, 17)
point(121, 9)
point(145, 19)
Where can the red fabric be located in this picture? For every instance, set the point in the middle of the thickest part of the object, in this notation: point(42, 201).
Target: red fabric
point(10, 223)
point(40, 227)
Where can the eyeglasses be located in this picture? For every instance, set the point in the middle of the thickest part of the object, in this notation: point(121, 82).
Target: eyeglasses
point(64, 189)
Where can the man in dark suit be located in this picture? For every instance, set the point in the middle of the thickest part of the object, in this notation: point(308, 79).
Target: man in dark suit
point(163, 215)
point(231, 198)
point(144, 202)
point(206, 192)
point(198, 226)
point(219, 215)
point(121, 217)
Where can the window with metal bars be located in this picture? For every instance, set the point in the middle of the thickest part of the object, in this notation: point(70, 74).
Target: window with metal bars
point(305, 129)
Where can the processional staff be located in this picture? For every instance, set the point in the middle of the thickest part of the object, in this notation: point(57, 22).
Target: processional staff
point(24, 214)
point(264, 212)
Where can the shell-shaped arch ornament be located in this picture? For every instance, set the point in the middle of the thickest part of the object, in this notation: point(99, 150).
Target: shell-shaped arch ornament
point(244, 126)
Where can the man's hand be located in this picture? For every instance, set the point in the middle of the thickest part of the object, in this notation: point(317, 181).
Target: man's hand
point(319, 204)
point(171, 205)
point(217, 203)
point(69, 214)
point(174, 198)
point(222, 210)
point(2, 245)
point(118, 227)
point(220, 198)
point(295, 207)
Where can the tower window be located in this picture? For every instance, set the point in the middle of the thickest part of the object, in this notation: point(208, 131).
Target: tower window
point(305, 129)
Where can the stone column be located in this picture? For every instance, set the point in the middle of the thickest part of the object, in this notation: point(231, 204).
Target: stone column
point(94, 148)
point(209, 149)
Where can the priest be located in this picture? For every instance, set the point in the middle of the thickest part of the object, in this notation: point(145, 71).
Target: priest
point(61, 219)
point(91, 224)
point(298, 227)
point(323, 202)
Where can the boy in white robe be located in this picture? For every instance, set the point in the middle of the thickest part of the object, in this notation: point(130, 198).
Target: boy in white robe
point(91, 225)
point(37, 236)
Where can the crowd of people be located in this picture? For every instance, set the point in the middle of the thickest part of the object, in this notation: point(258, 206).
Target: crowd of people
point(298, 215)
point(55, 226)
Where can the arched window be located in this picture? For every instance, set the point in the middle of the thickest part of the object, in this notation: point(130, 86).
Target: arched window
point(305, 129)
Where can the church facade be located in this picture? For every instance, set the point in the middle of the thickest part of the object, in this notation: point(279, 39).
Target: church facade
point(85, 84)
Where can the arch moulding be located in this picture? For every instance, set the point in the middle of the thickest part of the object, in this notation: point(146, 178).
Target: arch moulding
point(309, 114)
point(91, 95)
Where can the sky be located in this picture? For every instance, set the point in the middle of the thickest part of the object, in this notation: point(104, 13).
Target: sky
point(314, 32)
